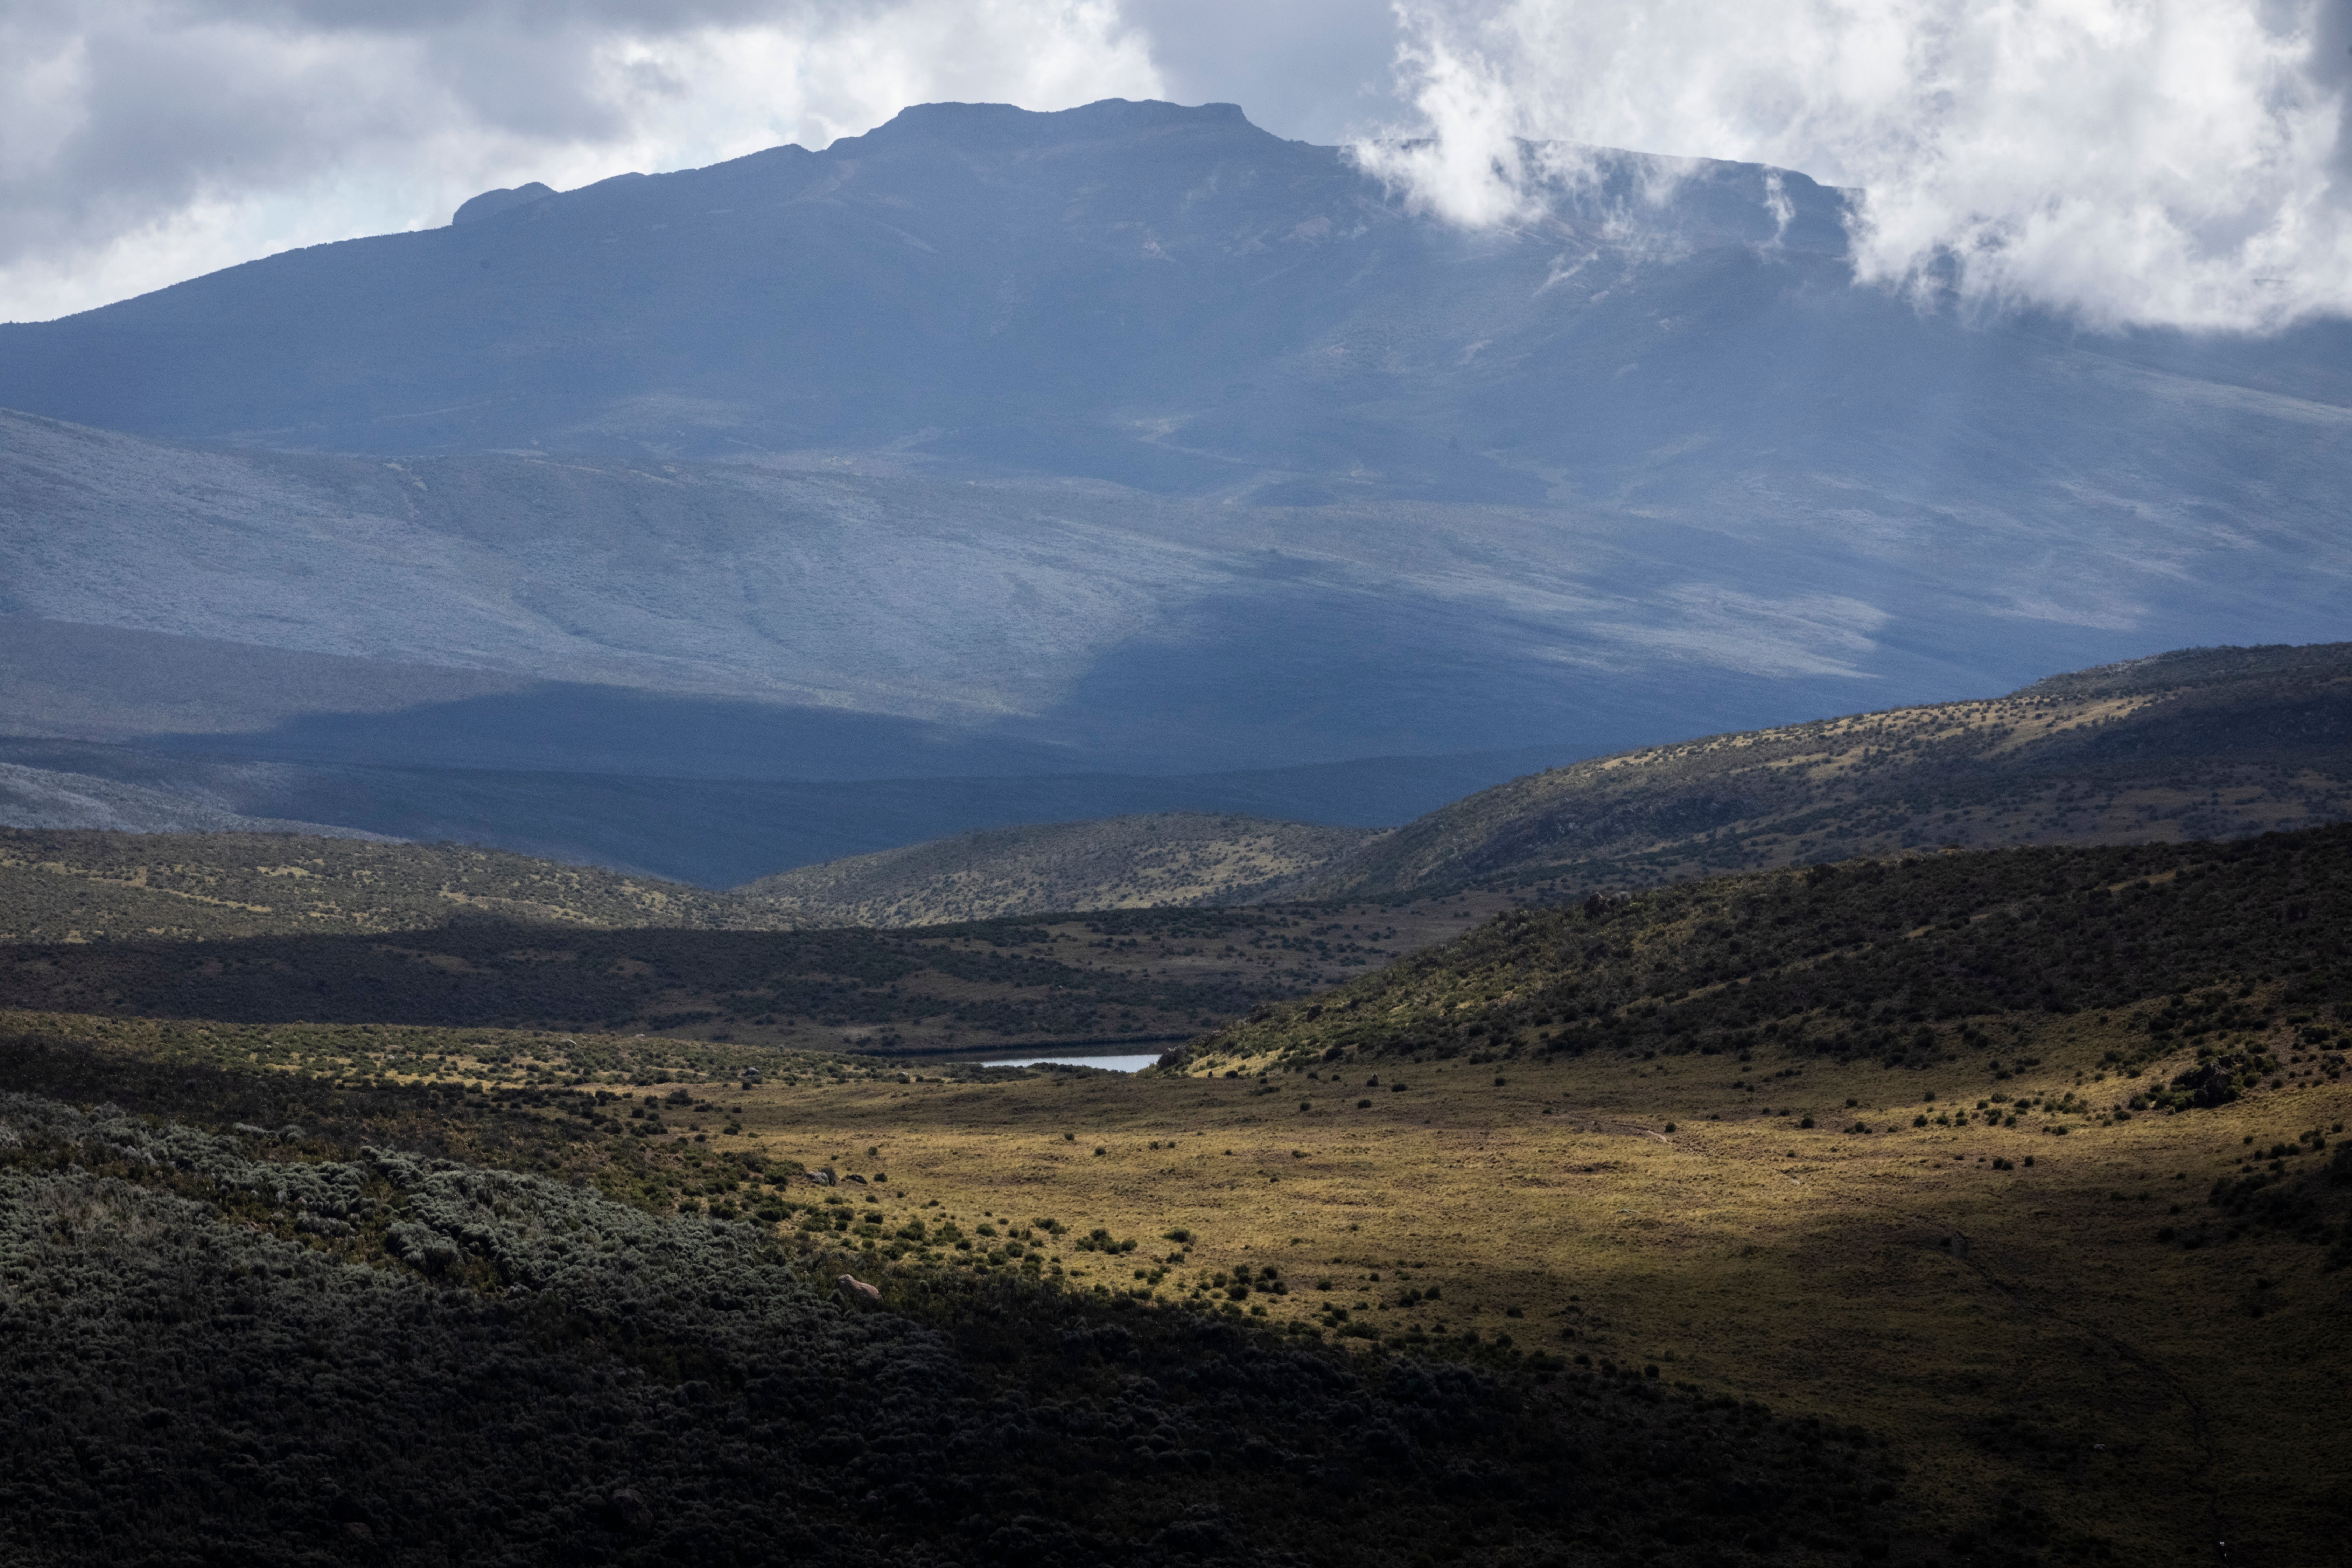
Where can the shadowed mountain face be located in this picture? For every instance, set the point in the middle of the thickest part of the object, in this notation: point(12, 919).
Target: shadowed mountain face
point(1129, 439)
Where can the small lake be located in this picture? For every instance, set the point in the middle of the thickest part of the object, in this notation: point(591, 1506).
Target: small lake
point(1073, 1058)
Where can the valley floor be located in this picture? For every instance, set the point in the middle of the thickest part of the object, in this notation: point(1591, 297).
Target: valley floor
point(2080, 1335)
point(2083, 1345)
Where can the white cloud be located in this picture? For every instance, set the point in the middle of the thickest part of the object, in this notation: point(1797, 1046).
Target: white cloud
point(2176, 162)
point(2168, 161)
point(144, 141)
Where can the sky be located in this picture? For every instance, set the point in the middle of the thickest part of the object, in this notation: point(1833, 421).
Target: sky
point(2178, 163)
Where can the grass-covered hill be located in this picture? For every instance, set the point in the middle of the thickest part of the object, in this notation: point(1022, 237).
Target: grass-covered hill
point(222, 1343)
point(91, 884)
point(1169, 859)
point(2201, 743)
point(1888, 961)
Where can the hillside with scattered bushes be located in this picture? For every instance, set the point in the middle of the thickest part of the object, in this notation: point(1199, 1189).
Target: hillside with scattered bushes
point(1884, 960)
point(1167, 861)
point(2195, 744)
point(92, 885)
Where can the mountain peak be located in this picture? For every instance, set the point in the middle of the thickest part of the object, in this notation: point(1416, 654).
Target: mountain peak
point(989, 123)
point(489, 204)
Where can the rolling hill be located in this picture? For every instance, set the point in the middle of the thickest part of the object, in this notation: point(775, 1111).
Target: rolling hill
point(1172, 860)
point(86, 886)
point(2198, 743)
point(271, 928)
point(1884, 960)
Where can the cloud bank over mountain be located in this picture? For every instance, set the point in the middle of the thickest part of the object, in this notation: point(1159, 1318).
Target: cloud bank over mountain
point(143, 141)
point(2167, 163)
point(2176, 163)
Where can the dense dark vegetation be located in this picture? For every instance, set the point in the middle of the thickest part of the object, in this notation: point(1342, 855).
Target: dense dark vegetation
point(252, 1348)
point(1891, 960)
point(1006, 979)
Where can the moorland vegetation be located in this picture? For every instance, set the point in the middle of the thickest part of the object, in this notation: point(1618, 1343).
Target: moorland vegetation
point(2198, 743)
point(90, 885)
point(1167, 861)
point(1110, 978)
point(227, 1343)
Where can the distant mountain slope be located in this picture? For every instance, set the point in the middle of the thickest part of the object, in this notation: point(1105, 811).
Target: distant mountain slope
point(1169, 860)
point(81, 886)
point(1133, 438)
point(51, 798)
point(2198, 743)
point(713, 831)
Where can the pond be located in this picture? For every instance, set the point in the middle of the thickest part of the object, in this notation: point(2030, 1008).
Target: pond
point(1075, 1058)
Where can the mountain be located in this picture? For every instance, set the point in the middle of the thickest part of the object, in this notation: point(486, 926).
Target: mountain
point(1169, 860)
point(2197, 744)
point(1127, 440)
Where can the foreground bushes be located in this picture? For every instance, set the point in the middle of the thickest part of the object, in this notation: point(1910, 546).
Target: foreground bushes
point(216, 1350)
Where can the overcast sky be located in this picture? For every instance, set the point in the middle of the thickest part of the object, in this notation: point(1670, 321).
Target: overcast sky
point(2166, 161)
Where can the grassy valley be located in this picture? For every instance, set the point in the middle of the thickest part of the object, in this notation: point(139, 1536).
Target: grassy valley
point(553, 1321)
point(1974, 1206)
